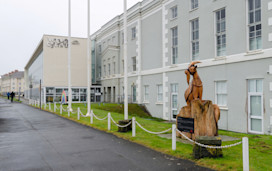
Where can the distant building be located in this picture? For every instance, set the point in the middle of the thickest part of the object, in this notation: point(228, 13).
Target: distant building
point(232, 39)
point(13, 81)
point(49, 65)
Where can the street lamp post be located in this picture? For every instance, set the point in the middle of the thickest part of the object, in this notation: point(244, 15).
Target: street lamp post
point(69, 57)
point(125, 62)
point(88, 61)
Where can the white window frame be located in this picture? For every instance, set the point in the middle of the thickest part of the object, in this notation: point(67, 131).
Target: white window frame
point(221, 33)
point(193, 57)
point(109, 68)
point(134, 65)
point(253, 24)
point(174, 12)
point(146, 93)
point(133, 33)
point(194, 4)
point(174, 46)
point(174, 93)
point(159, 93)
point(216, 102)
point(105, 70)
point(262, 108)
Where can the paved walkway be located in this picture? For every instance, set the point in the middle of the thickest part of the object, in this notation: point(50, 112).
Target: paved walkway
point(31, 139)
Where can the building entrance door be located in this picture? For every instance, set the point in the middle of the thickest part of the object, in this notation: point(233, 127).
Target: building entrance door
point(255, 106)
point(174, 101)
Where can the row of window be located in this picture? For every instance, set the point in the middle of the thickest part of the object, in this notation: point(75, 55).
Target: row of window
point(254, 29)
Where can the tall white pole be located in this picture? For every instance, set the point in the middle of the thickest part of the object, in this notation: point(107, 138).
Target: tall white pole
point(88, 61)
point(125, 62)
point(69, 57)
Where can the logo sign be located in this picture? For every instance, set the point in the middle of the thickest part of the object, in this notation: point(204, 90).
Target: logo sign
point(186, 124)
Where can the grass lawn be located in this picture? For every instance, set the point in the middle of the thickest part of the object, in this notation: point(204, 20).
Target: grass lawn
point(260, 146)
point(15, 99)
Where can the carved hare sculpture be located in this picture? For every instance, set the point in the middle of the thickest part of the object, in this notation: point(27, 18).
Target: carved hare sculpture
point(195, 89)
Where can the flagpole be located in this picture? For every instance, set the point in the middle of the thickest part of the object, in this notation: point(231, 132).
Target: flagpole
point(125, 62)
point(69, 56)
point(88, 60)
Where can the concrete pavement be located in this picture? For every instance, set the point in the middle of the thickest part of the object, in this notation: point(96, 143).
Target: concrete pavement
point(31, 139)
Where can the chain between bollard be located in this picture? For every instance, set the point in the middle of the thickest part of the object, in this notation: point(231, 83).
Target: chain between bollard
point(151, 131)
point(207, 146)
point(121, 126)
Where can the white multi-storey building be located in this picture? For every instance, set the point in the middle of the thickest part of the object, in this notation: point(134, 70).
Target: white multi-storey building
point(232, 39)
point(13, 81)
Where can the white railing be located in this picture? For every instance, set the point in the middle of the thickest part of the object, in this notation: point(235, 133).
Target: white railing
point(244, 141)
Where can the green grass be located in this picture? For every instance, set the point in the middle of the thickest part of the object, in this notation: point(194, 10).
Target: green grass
point(260, 152)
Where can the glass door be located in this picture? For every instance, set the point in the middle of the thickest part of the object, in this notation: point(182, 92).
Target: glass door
point(255, 106)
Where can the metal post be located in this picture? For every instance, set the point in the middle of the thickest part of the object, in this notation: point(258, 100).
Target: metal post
point(125, 62)
point(109, 121)
point(91, 117)
point(69, 58)
point(78, 114)
point(55, 106)
point(88, 62)
point(245, 154)
point(174, 137)
point(133, 127)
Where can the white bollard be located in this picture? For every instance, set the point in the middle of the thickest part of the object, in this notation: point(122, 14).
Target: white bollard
point(78, 114)
point(174, 137)
point(109, 121)
point(91, 117)
point(45, 106)
point(55, 106)
point(133, 127)
point(245, 154)
point(61, 109)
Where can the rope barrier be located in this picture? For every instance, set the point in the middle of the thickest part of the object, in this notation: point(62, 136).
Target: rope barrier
point(207, 146)
point(99, 118)
point(85, 116)
point(121, 126)
point(151, 131)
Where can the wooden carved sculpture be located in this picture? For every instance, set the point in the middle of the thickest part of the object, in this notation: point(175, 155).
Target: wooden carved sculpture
point(195, 89)
point(204, 113)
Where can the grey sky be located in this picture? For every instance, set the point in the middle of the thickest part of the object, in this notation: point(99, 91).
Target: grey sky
point(23, 22)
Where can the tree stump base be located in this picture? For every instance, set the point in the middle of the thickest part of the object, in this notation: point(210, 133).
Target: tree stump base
point(201, 152)
point(125, 122)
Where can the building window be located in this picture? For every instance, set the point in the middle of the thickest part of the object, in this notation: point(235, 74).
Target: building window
point(194, 4)
point(99, 49)
point(123, 38)
point(174, 100)
point(134, 63)
point(174, 45)
point(99, 71)
point(255, 105)
point(146, 93)
point(255, 26)
point(133, 33)
point(114, 67)
point(159, 93)
point(174, 11)
point(105, 71)
point(109, 69)
point(221, 93)
point(195, 39)
point(221, 32)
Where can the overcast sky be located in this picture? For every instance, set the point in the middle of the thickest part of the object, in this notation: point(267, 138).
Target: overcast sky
point(24, 22)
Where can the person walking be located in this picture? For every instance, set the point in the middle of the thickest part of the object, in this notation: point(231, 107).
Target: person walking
point(8, 94)
point(12, 96)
